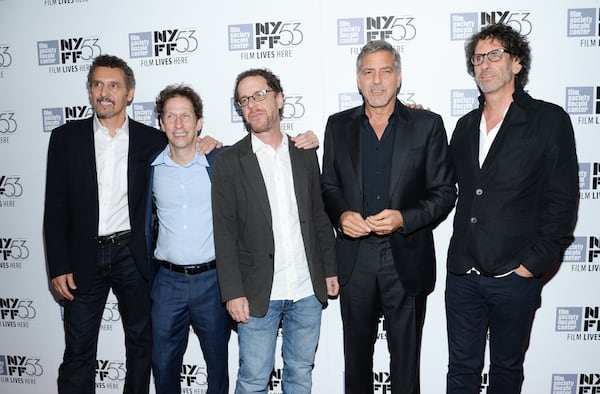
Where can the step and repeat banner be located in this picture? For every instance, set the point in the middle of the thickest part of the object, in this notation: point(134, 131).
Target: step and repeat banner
point(47, 46)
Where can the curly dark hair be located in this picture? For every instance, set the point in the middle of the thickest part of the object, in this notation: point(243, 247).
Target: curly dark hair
point(272, 80)
point(515, 44)
point(178, 90)
point(112, 62)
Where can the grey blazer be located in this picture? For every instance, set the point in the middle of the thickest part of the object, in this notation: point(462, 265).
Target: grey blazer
point(243, 225)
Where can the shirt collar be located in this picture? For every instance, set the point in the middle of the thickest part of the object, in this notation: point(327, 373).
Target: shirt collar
point(165, 159)
point(258, 145)
point(99, 127)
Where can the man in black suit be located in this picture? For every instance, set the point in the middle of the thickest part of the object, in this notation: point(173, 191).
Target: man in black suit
point(274, 242)
point(387, 181)
point(94, 226)
point(517, 173)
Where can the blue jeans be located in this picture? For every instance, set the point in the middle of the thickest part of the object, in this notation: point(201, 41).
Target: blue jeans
point(179, 300)
point(506, 306)
point(301, 326)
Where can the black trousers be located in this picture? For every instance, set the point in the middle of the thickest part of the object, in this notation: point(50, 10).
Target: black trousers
point(83, 316)
point(373, 290)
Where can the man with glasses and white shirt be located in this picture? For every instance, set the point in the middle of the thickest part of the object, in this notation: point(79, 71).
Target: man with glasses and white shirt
point(274, 242)
point(516, 167)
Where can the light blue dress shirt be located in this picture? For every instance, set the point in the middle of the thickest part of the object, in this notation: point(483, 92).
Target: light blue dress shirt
point(183, 203)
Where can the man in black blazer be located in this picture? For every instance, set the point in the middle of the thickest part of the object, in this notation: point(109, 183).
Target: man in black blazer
point(517, 174)
point(274, 242)
point(94, 226)
point(387, 182)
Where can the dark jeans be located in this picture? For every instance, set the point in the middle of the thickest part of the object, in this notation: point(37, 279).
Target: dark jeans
point(83, 315)
point(506, 306)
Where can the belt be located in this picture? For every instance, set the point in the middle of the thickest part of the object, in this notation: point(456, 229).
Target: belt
point(114, 238)
point(189, 269)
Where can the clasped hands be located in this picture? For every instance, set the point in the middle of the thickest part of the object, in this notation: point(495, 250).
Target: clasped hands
point(385, 222)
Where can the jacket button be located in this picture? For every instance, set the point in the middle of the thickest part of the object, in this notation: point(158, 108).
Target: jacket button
point(473, 220)
point(271, 256)
point(479, 192)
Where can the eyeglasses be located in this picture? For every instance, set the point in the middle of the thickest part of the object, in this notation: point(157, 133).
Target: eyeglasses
point(493, 56)
point(257, 96)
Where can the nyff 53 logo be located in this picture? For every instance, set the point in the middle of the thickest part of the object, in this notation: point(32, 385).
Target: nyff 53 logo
point(13, 252)
point(580, 323)
point(390, 28)
point(193, 375)
point(17, 309)
point(20, 366)
point(463, 25)
point(163, 47)
point(570, 383)
point(8, 125)
point(5, 57)
point(10, 190)
point(68, 54)
point(265, 35)
point(57, 116)
point(589, 181)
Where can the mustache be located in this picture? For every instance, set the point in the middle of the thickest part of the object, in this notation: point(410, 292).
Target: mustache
point(101, 99)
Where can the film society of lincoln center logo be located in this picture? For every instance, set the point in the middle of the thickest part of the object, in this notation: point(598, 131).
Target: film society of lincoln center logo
point(584, 24)
point(582, 254)
point(265, 40)
point(68, 55)
point(583, 103)
point(163, 47)
point(20, 369)
point(463, 25)
point(581, 323)
point(57, 116)
point(573, 383)
point(589, 181)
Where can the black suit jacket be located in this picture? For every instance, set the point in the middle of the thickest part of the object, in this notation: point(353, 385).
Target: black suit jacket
point(421, 188)
point(71, 205)
point(243, 225)
point(520, 206)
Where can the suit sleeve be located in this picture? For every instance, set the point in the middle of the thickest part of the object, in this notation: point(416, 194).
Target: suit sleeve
point(226, 228)
point(322, 223)
point(332, 192)
point(559, 197)
point(56, 209)
point(440, 189)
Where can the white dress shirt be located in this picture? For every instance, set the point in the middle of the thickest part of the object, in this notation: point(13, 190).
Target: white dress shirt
point(291, 278)
point(111, 171)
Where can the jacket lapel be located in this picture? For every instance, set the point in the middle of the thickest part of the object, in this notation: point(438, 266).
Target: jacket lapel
point(253, 177)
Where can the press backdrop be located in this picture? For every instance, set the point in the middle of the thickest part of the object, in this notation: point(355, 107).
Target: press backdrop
point(46, 48)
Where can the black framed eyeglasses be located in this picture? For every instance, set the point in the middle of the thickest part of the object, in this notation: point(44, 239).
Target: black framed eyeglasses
point(493, 56)
point(257, 96)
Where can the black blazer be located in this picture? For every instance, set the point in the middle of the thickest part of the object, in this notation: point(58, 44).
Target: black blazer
point(421, 188)
point(243, 226)
point(520, 207)
point(71, 205)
